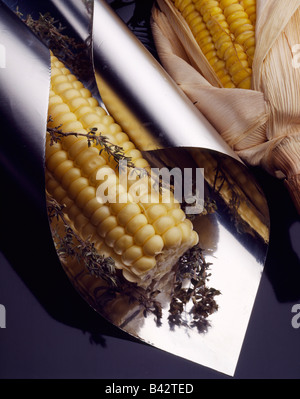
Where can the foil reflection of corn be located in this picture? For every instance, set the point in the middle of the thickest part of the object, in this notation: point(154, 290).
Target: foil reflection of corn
point(145, 238)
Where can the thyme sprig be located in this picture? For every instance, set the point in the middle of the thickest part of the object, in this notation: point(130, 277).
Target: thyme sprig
point(151, 305)
point(193, 269)
point(113, 150)
point(220, 181)
point(71, 244)
point(68, 49)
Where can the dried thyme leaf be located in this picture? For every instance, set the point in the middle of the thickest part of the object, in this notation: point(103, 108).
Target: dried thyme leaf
point(151, 305)
point(193, 268)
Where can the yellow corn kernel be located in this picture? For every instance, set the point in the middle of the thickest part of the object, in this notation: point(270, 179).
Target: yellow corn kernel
point(153, 245)
point(143, 234)
point(132, 254)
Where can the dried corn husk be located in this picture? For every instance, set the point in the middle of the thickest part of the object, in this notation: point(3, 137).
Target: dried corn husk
point(262, 125)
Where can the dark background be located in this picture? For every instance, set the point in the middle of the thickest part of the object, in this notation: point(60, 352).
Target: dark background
point(51, 333)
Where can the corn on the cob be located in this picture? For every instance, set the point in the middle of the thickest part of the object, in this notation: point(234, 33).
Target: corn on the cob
point(144, 238)
point(225, 33)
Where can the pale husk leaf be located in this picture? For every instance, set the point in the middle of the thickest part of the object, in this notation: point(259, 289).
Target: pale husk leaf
point(178, 25)
point(262, 124)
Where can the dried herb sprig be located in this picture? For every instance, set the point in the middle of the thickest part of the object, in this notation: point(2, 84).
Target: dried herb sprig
point(72, 52)
point(233, 205)
point(193, 270)
point(71, 244)
point(114, 151)
point(151, 305)
point(219, 180)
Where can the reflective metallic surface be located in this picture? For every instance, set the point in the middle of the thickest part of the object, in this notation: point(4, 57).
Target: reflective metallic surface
point(77, 15)
point(24, 96)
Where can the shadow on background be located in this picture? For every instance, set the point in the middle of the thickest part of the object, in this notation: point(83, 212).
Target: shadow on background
point(283, 264)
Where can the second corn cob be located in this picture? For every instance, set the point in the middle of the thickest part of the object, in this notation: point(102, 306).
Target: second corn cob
point(225, 33)
point(145, 238)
